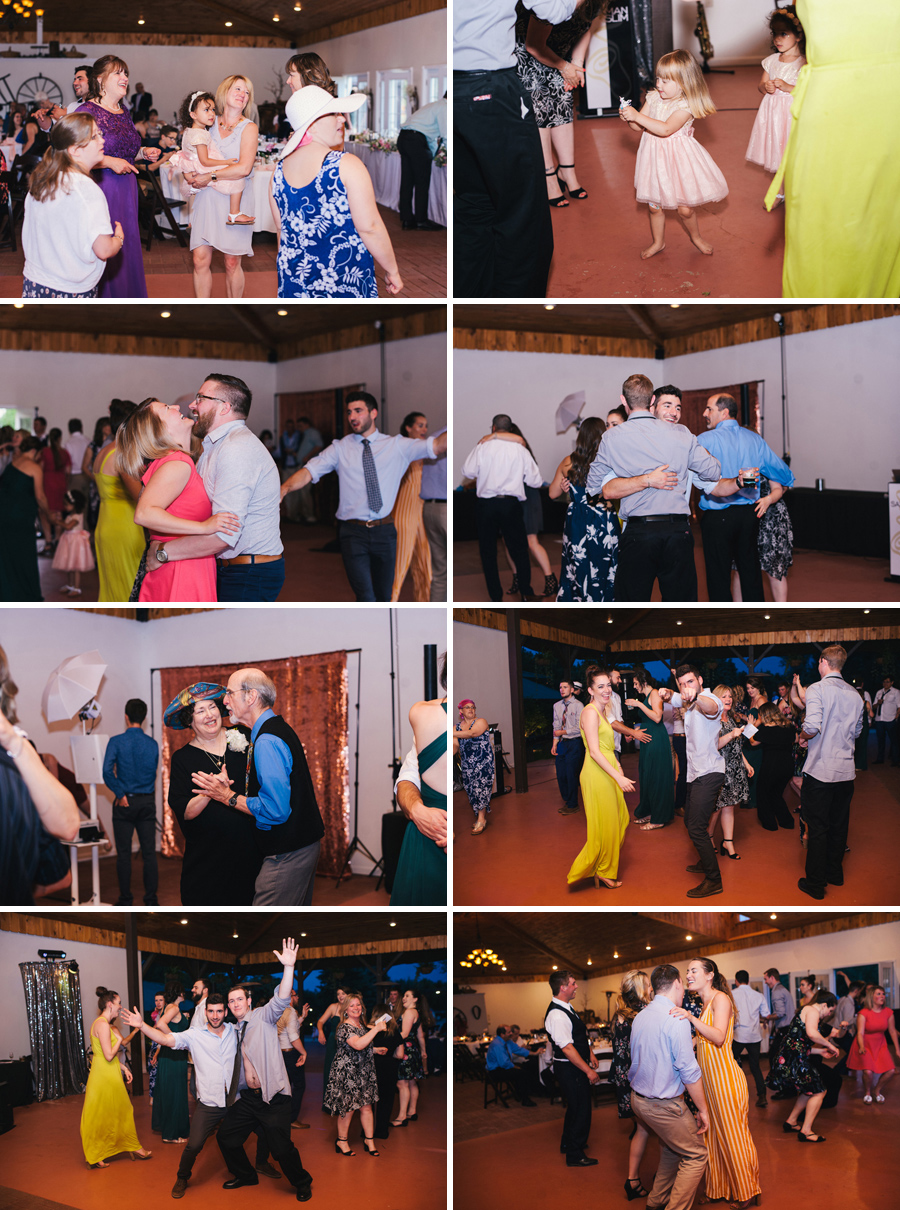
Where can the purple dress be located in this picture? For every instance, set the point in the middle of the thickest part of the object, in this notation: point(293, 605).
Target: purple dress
point(123, 276)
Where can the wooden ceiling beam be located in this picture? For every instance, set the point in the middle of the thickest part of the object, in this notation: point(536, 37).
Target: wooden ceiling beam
point(520, 934)
point(640, 315)
point(619, 632)
point(268, 923)
point(399, 945)
point(253, 323)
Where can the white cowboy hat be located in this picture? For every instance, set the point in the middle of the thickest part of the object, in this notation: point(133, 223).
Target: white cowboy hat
point(308, 104)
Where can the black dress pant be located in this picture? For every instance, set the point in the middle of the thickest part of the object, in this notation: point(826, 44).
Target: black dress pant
point(503, 236)
point(826, 813)
point(139, 816)
point(731, 535)
point(656, 548)
point(679, 744)
point(752, 1049)
point(204, 1120)
point(702, 795)
point(272, 1120)
point(577, 1123)
point(415, 174)
point(775, 772)
point(386, 1074)
point(496, 516)
point(297, 1077)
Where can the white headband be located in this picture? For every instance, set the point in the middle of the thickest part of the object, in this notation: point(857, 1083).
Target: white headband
point(194, 98)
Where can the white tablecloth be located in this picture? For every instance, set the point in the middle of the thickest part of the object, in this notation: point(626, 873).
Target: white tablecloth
point(260, 181)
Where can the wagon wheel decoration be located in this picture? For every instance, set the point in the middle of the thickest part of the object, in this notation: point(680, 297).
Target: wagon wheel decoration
point(39, 89)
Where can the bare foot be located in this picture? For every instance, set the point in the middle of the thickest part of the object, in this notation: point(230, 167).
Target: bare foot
point(705, 248)
point(652, 251)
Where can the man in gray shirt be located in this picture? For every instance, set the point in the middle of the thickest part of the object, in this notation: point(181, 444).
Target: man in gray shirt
point(657, 543)
point(568, 746)
point(240, 476)
point(831, 724)
point(780, 1018)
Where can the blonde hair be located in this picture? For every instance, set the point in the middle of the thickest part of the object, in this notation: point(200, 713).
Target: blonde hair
point(143, 438)
point(342, 1012)
point(682, 67)
point(8, 690)
point(869, 998)
point(771, 716)
point(636, 992)
point(75, 130)
point(222, 93)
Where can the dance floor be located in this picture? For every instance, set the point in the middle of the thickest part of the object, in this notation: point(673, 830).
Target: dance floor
point(421, 255)
point(44, 1157)
point(854, 1169)
point(527, 850)
point(598, 241)
point(817, 575)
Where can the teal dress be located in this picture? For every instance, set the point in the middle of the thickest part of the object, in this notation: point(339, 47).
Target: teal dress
point(170, 1096)
point(656, 778)
point(421, 877)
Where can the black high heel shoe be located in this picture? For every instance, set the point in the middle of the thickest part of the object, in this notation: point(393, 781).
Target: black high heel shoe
point(370, 1150)
point(399, 1123)
point(557, 202)
point(789, 1129)
point(340, 1150)
point(724, 852)
point(631, 1193)
point(578, 194)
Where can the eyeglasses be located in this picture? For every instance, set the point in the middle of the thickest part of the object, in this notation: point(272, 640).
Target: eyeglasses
point(212, 398)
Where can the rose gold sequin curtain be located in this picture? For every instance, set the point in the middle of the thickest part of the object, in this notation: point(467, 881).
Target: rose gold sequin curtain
point(312, 698)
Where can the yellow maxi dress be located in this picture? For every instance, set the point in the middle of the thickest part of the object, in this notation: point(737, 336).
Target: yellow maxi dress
point(733, 1170)
point(412, 540)
point(107, 1119)
point(119, 541)
point(604, 807)
point(842, 163)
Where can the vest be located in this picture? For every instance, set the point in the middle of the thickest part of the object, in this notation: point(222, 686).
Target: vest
point(579, 1035)
point(304, 825)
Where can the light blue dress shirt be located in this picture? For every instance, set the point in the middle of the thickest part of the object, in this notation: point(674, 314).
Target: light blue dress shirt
point(274, 763)
point(213, 1061)
point(434, 475)
point(430, 120)
point(240, 476)
point(392, 456)
point(833, 717)
point(737, 447)
point(662, 1055)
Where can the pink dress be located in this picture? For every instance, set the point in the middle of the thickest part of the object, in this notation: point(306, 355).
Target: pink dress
point(73, 551)
point(877, 1057)
point(188, 579)
point(675, 171)
point(187, 160)
point(769, 135)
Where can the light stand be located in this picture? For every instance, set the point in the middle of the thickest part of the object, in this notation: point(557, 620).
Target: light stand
point(785, 431)
point(87, 756)
point(356, 845)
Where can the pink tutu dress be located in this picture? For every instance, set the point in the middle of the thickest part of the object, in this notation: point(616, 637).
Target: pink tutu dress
point(769, 136)
point(73, 551)
point(676, 171)
point(187, 160)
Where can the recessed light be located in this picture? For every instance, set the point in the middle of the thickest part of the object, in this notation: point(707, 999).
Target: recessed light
point(615, 955)
point(228, 24)
point(393, 924)
point(609, 621)
point(677, 623)
point(140, 20)
point(766, 616)
point(867, 611)
point(773, 916)
point(549, 306)
point(303, 934)
point(234, 935)
point(589, 962)
point(282, 312)
point(183, 922)
point(165, 315)
point(556, 968)
point(18, 306)
point(689, 937)
point(646, 947)
point(674, 306)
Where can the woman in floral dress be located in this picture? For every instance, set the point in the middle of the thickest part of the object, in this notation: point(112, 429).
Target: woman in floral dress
point(793, 1067)
point(476, 758)
point(352, 1083)
point(736, 787)
point(591, 533)
point(634, 995)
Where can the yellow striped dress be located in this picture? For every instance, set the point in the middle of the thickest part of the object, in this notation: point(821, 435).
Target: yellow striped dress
point(733, 1170)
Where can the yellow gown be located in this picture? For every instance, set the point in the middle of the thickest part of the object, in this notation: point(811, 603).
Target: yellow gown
point(604, 806)
point(841, 166)
point(107, 1119)
point(119, 542)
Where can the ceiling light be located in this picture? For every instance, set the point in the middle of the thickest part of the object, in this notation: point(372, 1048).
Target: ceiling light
point(394, 925)
point(504, 968)
point(549, 306)
point(228, 24)
point(282, 312)
point(867, 611)
point(18, 306)
point(646, 947)
point(556, 968)
point(140, 20)
point(773, 916)
point(165, 315)
point(677, 623)
point(615, 955)
point(234, 935)
point(589, 962)
point(303, 934)
point(767, 616)
point(609, 621)
point(183, 922)
point(674, 306)
point(276, 18)
point(689, 937)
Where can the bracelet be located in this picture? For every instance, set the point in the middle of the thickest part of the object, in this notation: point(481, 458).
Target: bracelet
point(23, 735)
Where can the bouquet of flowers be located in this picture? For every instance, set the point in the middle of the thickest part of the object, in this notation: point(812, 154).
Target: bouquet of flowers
point(440, 156)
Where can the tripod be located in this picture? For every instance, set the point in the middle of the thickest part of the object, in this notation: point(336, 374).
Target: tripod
point(356, 845)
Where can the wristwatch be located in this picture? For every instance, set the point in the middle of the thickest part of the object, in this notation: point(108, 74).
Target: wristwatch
point(213, 178)
point(162, 555)
point(232, 802)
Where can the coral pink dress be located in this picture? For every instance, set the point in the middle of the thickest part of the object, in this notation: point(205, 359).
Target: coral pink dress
point(769, 136)
point(675, 171)
point(73, 551)
point(877, 1057)
point(188, 579)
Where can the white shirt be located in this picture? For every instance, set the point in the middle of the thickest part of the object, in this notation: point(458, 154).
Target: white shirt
point(76, 447)
point(198, 1019)
point(58, 236)
point(484, 30)
point(702, 738)
point(73, 105)
point(615, 715)
point(749, 1004)
point(559, 1025)
point(672, 723)
point(409, 770)
point(887, 705)
point(501, 468)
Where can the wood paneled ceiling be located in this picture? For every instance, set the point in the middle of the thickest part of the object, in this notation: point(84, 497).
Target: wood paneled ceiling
point(530, 943)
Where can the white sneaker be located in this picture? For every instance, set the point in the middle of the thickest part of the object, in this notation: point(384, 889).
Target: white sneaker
point(867, 1099)
point(879, 1098)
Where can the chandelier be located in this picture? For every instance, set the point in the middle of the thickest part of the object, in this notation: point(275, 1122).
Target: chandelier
point(481, 956)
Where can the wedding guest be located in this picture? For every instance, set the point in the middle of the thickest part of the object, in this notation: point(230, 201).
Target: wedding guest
point(434, 517)
point(887, 721)
point(780, 1017)
point(476, 759)
point(793, 1067)
point(499, 1057)
point(352, 1084)
point(861, 749)
point(412, 541)
point(418, 141)
point(591, 532)
point(750, 1011)
point(293, 1052)
point(635, 994)
point(107, 1119)
point(775, 735)
point(81, 83)
point(22, 498)
point(170, 1101)
point(129, 771)
point(656, 779)
point(416, 1018)
point(533, 515)
point(567, 748)
point(77, 446)
point(869, 1053)
point(384, 1046)
point(159, 1006)
point(102, 434)
point(309, 68)
point(118, 542)
point(574, 1067)
point(757, 696)
point(735, 788)
point(326, 1026)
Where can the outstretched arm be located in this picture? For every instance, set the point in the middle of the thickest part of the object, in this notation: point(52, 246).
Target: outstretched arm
point(288, 959)
point(137, 1022)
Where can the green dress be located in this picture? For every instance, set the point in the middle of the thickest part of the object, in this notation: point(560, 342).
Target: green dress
point(19, 578)
point(107, 1119)
point(170, 1097)
point(656, 777)
point(421, 877)
point(841, 167)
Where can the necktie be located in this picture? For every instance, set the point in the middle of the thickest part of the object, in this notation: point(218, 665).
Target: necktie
point(236, 1070)
point(373, 491)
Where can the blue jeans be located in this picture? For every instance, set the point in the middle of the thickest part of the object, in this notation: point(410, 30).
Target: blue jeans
point(569, 760)
point(250, 581)
point(369, 556)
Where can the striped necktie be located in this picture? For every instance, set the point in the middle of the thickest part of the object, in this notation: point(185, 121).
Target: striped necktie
point(373, 491)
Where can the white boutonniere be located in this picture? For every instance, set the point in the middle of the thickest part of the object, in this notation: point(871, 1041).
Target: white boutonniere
point(236, 740)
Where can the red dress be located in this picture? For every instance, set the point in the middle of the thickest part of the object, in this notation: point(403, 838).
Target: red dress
point(187, 579)
point(55, 482)
point(877, 1057)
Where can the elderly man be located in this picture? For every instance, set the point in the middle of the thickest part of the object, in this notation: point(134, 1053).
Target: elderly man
point(499, 1057)
point(240, 477)
point(831, 724)
point(279, 793)
point(662, 1067)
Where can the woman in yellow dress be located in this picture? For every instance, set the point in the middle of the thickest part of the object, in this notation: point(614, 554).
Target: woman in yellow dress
point(119, 542)
point(733, 1170)
point(412, 540)
point(602, 786)
point(107, 1120)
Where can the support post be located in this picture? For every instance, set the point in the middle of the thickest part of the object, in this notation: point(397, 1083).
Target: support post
point(517, 700)
point(132, 969)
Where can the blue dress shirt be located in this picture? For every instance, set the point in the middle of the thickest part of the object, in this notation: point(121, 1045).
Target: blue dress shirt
point(129, 766)
point(274, 763)
point(497, 1055)
point(737, 447)
point(434, 475)
point(392, 456)
point(662, 1056)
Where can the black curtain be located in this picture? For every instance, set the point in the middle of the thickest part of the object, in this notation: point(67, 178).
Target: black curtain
point(642, 43)
point(53, 1002)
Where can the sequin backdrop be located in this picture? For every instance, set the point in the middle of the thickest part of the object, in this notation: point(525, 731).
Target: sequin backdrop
point(53, 1003)
point(312, 698)
point(642, 41)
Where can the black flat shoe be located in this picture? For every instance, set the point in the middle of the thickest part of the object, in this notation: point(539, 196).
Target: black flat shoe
point(811, 1138)
point(789, 1129)
point(584, 1162)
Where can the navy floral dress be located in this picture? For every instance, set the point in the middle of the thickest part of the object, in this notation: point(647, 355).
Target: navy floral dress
point(590, 550)
point(351, 1081)
point(794, 1067)
point(476, 758)
point(621, 1065)
point(736, 787)
point(321, 254)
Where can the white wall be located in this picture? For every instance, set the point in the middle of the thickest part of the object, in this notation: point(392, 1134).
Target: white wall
point(530, 387)
point(415, 376)
point(526, 1003)
point(36, 642)
point(169, 73)
point(739, 32)
point(98, 966)
point(481, 672)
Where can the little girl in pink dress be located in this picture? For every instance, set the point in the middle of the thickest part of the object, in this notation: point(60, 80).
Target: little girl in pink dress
point(769, 136)
point(198, 113)
point(73, 551)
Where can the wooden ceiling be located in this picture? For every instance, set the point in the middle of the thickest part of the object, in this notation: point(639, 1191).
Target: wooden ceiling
point(246, 331)
point(530, 943)
point(251, 22)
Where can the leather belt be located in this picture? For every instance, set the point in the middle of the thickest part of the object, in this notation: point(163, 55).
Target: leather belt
point(242, 559)
point(657, 517)
point(368, 524)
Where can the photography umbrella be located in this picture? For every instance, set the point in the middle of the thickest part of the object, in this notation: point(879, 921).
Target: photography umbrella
point(569, 411)
point(72, 685)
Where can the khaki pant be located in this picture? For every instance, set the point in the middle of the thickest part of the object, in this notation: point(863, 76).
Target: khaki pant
point(682, 1152)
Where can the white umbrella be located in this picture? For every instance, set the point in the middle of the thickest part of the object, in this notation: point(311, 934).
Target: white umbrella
point(72, 685)
point(569, 410)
